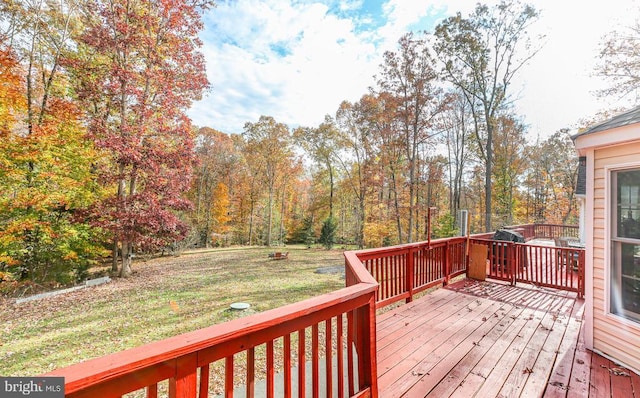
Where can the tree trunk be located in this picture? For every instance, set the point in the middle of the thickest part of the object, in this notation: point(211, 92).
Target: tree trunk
point(270, 215)
point(330, 191)
point(411, 199)
point(125, 271)
point(114, 256)
point(487, 177)
point(251, 212)
point(396, 205)
point(282, 216)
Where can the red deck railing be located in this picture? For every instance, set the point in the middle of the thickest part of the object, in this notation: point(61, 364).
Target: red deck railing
point(403, 271)
point(324, 346)
point(334, 332)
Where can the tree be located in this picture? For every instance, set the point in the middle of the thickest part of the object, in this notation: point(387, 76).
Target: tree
point(509, 164)
point(137, 71)
point(481, 54)
point(46, 176)
point(270, 143)
point(356, 158)
point(218, 160)
point(320, 144)
point(456, 121)
point(328, 233)
point(409, 77)
point(305, 234)
point(376, 115)
point(220, 208)
point(552, 176)
point(618, 62)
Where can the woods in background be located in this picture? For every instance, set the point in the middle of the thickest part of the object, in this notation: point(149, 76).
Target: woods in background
point(98, 158)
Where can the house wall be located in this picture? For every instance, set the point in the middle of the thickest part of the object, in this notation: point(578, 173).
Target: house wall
point(611, 335)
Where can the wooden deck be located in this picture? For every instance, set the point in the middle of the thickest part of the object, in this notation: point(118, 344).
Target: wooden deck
point(488, 339)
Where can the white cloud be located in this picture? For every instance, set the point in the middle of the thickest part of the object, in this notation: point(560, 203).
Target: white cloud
point(296, 61)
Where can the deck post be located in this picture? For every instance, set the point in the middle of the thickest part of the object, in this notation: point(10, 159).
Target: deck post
point(369, 352)
point(184, 384)
point(409, 274)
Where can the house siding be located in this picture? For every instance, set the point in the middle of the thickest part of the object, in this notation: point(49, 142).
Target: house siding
point(614, 337)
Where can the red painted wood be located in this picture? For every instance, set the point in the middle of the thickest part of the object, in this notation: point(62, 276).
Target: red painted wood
point(152, 391)
point(350, 358)
point(126, 369)
point(228, 377)
point(251, 372)
point(204, 381)
point(447, 264)
point(367, 353)
point(302, 381)
point(328, 358)
point(456, 359)
point(340, 355)
point(287, 365)
point(270, 370)
point(620, 381)
point(363, 394)
point(409, 275)
point(127, 382)
point(635, 383)
point(394, 274)
point(600, 385)
point(184, 384)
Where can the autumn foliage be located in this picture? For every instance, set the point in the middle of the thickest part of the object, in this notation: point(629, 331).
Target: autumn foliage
point(98, 157)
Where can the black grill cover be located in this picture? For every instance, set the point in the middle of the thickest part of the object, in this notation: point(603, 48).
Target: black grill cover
point(509, 236)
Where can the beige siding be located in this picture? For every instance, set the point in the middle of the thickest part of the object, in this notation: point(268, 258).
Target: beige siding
point(618, 339)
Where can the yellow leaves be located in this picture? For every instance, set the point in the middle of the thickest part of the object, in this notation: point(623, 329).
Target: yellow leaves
point(220, 207)
point(71, 256)
point(376, 232)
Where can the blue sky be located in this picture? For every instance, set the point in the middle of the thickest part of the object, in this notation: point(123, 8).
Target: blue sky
point(297, 60)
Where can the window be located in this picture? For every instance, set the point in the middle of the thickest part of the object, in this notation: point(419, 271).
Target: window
point(625, 244)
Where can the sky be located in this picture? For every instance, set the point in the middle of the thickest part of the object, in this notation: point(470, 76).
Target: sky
point(297, 60)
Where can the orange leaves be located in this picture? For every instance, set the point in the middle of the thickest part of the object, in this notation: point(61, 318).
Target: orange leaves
point(12, 100)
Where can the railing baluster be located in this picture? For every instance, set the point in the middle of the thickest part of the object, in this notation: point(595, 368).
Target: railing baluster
point(447, 264)
point(387, 276)
point(287, 365)
point(328, 357)
point(409, 274)
point(351, 327)
point(228, 377)
point(251, 372)
point(340, 356)
point(204, 381)
point(270, 370)
point(152, 391)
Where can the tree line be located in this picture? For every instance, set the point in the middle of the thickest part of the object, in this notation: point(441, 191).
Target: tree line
point(98, 158)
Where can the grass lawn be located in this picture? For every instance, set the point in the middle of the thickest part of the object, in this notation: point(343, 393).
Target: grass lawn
point(164, 297)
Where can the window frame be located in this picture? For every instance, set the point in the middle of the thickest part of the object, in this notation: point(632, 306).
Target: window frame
point(612, 242)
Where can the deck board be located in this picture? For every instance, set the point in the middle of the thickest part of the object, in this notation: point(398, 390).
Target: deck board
point(489, 339)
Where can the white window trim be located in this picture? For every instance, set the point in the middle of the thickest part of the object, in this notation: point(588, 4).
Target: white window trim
point(608, 170)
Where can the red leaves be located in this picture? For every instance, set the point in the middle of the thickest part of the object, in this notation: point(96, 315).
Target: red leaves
point(148, 71)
